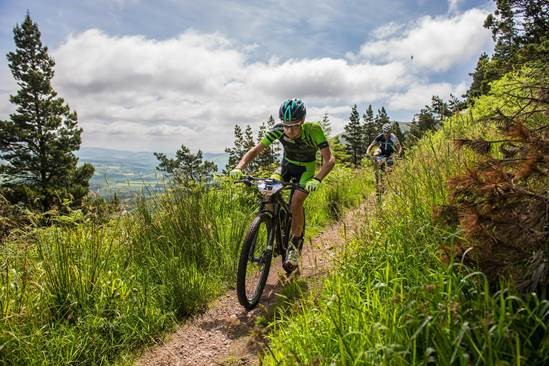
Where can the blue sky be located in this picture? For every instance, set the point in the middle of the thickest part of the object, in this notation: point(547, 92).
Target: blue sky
point(149, 76)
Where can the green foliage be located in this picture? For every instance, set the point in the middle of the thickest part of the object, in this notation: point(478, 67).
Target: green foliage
point(381, 118)
point(520, 29)
point(485, 72)
point(354, 137)
point(326, 125)
point(89, 292)
point(269, 157)
point(400, 297)
point(187, 167)
point(371, 129)
point(237, 151)
point(38, 140)
point(431, 118)
point(339, 150)
point(265, 162)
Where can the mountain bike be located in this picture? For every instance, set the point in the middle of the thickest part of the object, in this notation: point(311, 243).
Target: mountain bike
point(382, 164)
point(267, 236)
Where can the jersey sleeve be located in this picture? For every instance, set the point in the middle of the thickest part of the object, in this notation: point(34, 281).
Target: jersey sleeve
point(318, 136)
point(275, 133)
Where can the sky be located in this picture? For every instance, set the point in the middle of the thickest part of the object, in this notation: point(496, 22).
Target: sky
point(153, 75)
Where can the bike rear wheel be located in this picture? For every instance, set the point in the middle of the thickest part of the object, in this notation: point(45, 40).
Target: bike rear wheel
point(255, 261)
point(287, 239)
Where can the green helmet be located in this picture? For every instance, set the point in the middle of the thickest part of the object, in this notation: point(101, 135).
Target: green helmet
point(291, 111)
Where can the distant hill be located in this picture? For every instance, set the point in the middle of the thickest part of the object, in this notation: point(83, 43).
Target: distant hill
point(127, 172)
point(139, 159)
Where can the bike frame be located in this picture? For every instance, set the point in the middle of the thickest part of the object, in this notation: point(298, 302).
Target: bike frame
point(276, 206)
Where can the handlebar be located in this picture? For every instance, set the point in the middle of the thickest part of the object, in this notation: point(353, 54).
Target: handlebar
point(249, 181)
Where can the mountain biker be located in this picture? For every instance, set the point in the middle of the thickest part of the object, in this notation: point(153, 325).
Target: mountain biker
point(388, 144)
point(301, 140)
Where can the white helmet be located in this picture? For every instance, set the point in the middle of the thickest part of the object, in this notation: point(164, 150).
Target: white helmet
point(386, 128)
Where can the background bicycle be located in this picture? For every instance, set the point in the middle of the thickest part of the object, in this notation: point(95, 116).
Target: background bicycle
point(382, 165)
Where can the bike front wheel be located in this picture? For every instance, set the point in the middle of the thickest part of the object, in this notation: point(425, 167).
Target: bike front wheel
point(255, 261)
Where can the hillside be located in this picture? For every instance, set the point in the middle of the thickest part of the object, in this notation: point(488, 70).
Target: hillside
point(127, 172)
point(452, 269)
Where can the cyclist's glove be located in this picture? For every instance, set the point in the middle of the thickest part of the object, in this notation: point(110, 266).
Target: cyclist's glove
point(312, 184)
point(236, 174)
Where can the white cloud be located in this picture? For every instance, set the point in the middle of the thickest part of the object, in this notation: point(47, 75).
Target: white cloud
point(139, 93)
point(387, 30)
point(453, 6)
point(419, 95)
point(434, 43)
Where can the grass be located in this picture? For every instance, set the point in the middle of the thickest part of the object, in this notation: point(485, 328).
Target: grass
point(399, 299)
point(83, 293)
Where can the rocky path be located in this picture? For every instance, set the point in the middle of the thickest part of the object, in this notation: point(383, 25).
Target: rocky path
point(226, 334)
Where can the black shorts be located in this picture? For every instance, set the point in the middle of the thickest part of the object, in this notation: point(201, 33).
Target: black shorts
point(300, 173)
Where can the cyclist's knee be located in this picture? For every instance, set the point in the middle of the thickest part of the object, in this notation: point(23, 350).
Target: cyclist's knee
point(298, 199)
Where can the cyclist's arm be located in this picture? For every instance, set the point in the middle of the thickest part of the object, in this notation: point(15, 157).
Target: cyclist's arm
point(370, 147)
point(250, 155)
point(328, 163)
point(399, 149)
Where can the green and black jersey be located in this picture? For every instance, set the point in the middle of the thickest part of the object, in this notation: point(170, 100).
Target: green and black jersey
point(303, 149)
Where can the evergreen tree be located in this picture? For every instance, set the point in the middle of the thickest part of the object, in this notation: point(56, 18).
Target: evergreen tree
point(520, 29)
point(237, 151)
point(339, 150)
point(398, 132)
point(326, 125)
point(423, 121)
point(266, 160)
point(354, 137)
point(440, 109)
point(369, 127)
point(38, 140)
point(504, 33)
point(249, 142)
point(187, 167)
point(276, 146)
point(381, 119)
point(456, 105)
point(485, 72)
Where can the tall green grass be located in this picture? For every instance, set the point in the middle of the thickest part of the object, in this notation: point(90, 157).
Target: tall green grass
point(83, 293)
point(398, 299)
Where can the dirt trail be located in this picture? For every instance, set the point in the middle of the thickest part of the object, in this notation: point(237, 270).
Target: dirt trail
point(226, 334)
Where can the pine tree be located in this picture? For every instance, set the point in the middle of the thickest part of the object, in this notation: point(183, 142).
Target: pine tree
point(187, 167)
point(237, 151)
point(354, 137)
point(424, 121)
point(520, 29)
point(398, 132)
point(485, 72)
point(38, 140)
point(267, 158)
point(369, 127)
point(249, 142)
point(440, 109)
point(326, 125)
point(276, 146)
point(456, 105)
point(381, 119)
point(339, 150)
point(504, 33)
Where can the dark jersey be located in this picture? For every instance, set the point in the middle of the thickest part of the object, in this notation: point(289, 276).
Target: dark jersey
point(387, 146)
point(302, 149)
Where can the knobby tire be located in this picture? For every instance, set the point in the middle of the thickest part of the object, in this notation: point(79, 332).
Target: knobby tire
point(249, 245)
